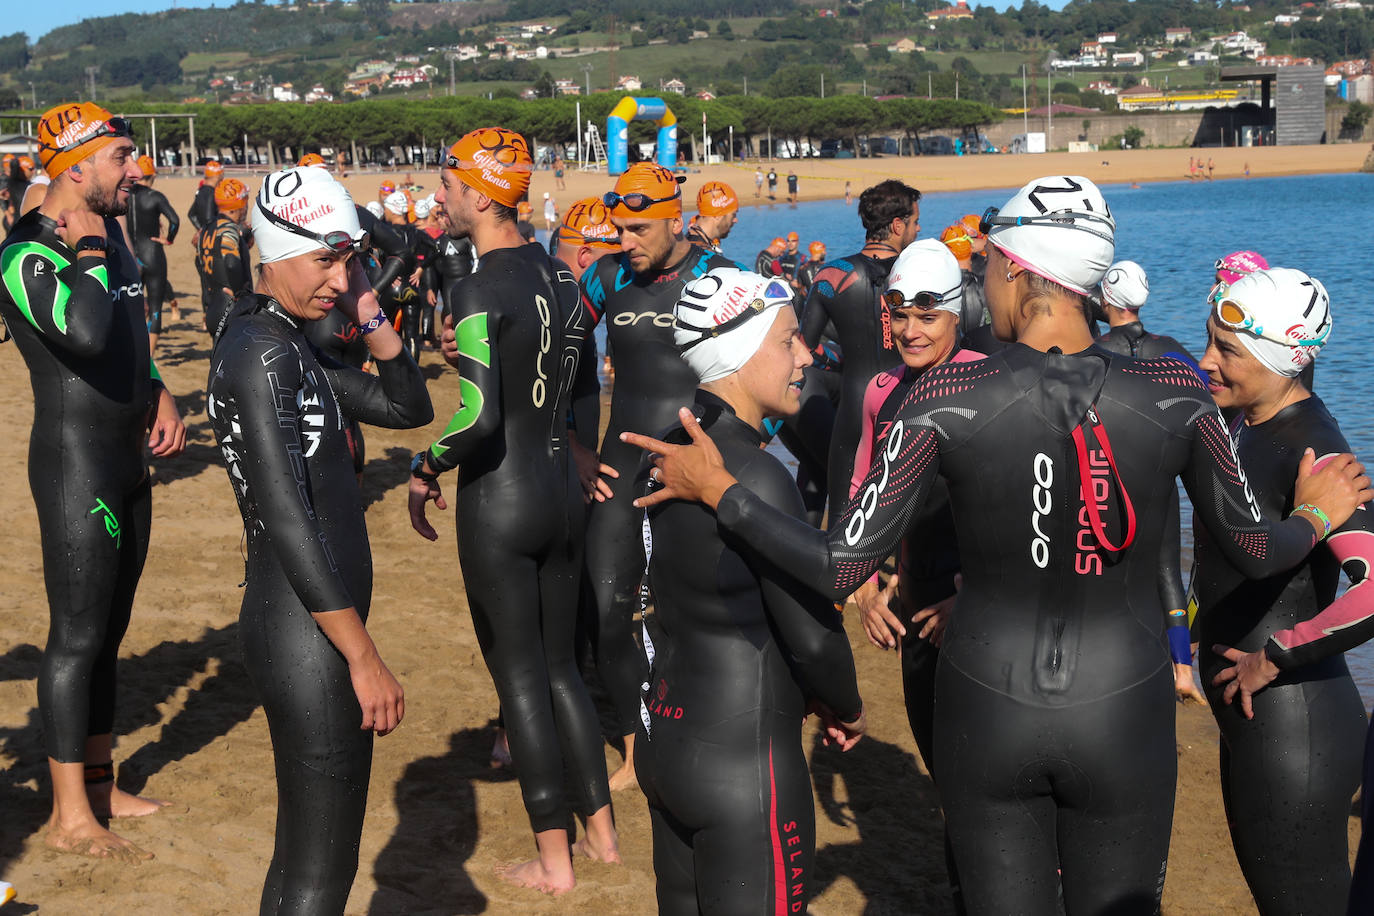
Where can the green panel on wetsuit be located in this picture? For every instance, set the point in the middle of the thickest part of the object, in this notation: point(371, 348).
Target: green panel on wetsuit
point(462, 421)
point(472, 339)
point(11, 268)
point(152, 371)
point(474, 343)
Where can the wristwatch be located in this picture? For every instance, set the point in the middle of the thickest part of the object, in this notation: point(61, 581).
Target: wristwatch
point(417, 467)
point(92, 243)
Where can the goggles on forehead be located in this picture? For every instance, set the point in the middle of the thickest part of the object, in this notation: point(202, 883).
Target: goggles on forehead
point(771, 295)
point(1233, 314)
point(113, 127)
point(924, 300)
point(336, 241)
point(635, 201)
point(1067, 219)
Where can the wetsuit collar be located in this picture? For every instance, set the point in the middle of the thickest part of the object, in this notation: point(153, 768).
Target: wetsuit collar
point(272, 307)
point(711, 409)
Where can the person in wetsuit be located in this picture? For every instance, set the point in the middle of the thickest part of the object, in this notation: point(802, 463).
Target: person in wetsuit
point(72, 300)
point(738, 649)
point(222, 257)
point(634, 294)
point(518, 330)
point(791, 260)
point(846, 295)
point(1291, 750)
point(969, 247)
point(766, 261)
point(147, 209)
point(202, 212)
point(278, 411)
point(404, 299)
point(1054, 726)
point(717, 213)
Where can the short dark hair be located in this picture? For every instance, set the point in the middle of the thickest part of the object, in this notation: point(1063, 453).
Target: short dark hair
point(503, 213)
point(881, 204)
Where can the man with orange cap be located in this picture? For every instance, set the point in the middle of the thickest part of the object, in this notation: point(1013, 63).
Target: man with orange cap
point(147, 208)
point(766, 262)
point(815, 260)
point(634, 293)
point(516, 330)
point(222, 260)
point(968, 244)
point(717, 213)
point(202, 212)
point(72, 299)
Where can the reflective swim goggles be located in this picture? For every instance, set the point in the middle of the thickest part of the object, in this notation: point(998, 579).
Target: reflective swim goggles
point(1233, 314)
point(1067, 219)
point(774, 292)
point(635, 201)
point(336, 241)
point(113, 127)
point(923, 300)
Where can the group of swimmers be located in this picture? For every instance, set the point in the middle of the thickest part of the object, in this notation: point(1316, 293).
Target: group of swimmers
point(949, 406)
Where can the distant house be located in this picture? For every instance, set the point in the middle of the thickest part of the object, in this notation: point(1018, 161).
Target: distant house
point(1107, 38)
point(318, 93)
point(698, 34)
point(628, 83)
point(1102, 86)
point(959, 10)
point(1200, 58)
point(407, 78)
point(566, 87)
point(1284, 60)
point(1174, 36)
point(902, 46)
point(285, 93)
point(1286, 19)
point(375, 66)
point(674, 85)
point(706, 95)
point(1128, 59)
point(826, 13)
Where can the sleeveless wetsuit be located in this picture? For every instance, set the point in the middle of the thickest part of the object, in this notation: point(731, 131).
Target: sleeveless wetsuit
point(845, 294)
point(279, 412)
point(651, 384)
point(223, 262)
point(739, 648)
point(78, 322)
point(1288, 774)
point(1054, 730)
point(203, 207)
point(147, 207)
point(520, 328)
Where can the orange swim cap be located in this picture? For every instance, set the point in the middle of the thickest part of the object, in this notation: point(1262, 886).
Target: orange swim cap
point(26, 164)
point(816, 250)
point(588, 222)
point(778, 242)
point(231, 194)
point(495, 162)
point(524, 209)
point(716, 198)
point(213, 169)
point(387, 187)
point(646, 191)
point(970, 222)
point(956, 239)
point(145, 163)
point(793, 237)
point(73, 131)
point(311, 159)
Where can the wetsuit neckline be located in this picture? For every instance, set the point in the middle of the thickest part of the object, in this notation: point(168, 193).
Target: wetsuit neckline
point(910, 375)
point(1290, 412)
point(272, 307)
point(717, 409)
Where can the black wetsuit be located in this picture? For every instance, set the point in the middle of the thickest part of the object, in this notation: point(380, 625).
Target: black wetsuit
point(766, 263)
point(1288, 774)
point(279, 411)
point(846, 294)
point(739, 648)
point(520, 327)
point(1054, 726)
point(651, 384)
point(790, 263)
point(147, 207)
point(974, 312)
point(389, 250)
point(340, 339)
point(223, 262)
point(402, 298)
point(78, 322)
point(1133, 340)
point(453, 261)
point(203, 207)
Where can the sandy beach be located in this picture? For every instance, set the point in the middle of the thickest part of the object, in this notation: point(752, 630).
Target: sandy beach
point(189, 728)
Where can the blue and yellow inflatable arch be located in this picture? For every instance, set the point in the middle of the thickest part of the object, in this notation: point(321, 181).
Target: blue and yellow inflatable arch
point(618, 132)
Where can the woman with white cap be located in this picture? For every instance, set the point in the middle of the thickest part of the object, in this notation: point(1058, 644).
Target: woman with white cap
point(738, 648)
point(280, 414)
point(1054, 721)
point(1290, 754)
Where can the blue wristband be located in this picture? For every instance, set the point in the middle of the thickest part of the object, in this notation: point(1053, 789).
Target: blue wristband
point(375, 322)
point(1180, 646)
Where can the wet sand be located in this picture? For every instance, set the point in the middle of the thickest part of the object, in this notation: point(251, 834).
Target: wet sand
point(439, 818)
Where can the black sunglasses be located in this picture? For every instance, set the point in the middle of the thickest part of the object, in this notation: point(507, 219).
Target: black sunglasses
point(635, 201)
point(1068, 219)
point(113, 127)
point(774, 292)
point(924, 300)
point(336, 241)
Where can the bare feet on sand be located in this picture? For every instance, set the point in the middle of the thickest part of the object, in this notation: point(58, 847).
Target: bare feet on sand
point(90, 839)
point(533, 874)
point(598, 850)
point(624, 778)
point(108, 801)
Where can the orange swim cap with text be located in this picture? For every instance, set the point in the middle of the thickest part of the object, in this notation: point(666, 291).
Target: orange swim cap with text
point(213, 169)
point(588, 222)
point(716, 198)
point(655, 183)
point(231, 194)
point(495, 162)
point(71, 132)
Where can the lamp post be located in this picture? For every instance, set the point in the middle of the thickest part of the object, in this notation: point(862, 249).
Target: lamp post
point(587, 69)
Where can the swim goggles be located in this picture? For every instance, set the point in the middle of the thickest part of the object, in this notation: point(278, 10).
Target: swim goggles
point(1233, 314)
point(923, 300)
point(635, 201)
point(336, 241)
point(113, 127)
point(1067, 219)
point(774, 292)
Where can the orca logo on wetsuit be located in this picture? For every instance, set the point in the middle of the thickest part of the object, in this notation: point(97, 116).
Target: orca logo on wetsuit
point(660, 319)
point(868, 504)
point(540, 389)
point(1044, 479)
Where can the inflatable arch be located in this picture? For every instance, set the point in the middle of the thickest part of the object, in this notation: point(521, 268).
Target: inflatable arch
point(618, 132)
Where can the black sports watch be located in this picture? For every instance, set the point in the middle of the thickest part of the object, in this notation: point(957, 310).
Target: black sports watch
point(92, 243)
point(417, 467)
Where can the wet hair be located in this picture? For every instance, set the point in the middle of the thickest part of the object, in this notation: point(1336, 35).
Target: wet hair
point(881, 204)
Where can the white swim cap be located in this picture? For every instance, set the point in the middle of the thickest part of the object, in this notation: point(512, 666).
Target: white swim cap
point(374, 208)
point(308, 197)
point(1059, 228)
point(397, 203)
point(1282, 316)
point(423, 206)
point(705, 328)
point(1125, 285)
point(927, 266)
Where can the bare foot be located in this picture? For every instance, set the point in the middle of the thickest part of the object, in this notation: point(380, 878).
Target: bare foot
point(624, 778)
point(533, 874)
point(95, 841)
point(118, 803)
point(598, 850)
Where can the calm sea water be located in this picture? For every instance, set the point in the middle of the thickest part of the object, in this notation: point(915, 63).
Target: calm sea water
point(1176, 231)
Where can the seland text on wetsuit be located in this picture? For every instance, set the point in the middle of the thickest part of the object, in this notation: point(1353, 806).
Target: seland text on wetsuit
point(519, 326)
point(147, 207)
point(846, 295)
point(739, 648)
point(1056, 714)
point(651, 384)
point(1288, 774)
point(78, 321)
point(223, 262)
point(280, 412)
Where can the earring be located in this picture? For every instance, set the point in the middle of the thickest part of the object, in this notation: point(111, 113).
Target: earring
point(1010, 278)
